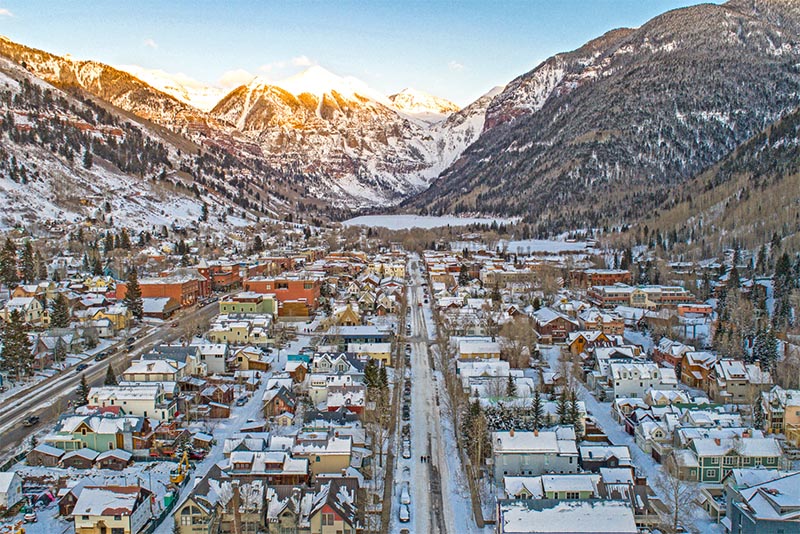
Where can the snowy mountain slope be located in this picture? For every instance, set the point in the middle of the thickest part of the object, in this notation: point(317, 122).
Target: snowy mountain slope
point(322, 138)
point(187, 90)
point(422, 106)
point(46, 178)
point(349, 140)
point(604, 134)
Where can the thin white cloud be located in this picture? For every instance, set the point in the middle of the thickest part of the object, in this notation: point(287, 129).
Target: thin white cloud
point(302, 61)
point(455, 66)
point(297, 61)
point(235, 78)
point(150, 43)
point(5, 12)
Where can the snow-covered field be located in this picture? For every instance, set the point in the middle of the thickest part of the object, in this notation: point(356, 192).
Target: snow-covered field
point(406, 222)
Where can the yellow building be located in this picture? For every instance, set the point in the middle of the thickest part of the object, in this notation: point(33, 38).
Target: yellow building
point(115, 509)
point(329, 456)
point(782, 413)
point(376, 351)
point(119, 316)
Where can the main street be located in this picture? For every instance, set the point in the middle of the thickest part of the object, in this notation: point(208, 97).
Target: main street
point(49, 399)
point(429, 511)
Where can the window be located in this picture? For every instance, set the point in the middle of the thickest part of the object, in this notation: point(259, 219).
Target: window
point(282, 285)
point(117, 517)
point(573, 495)
point(84, 517)
point(327, 519)
point(117, 531)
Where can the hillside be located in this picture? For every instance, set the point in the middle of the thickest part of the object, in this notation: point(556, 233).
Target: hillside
point(65, 158)
point(745, 200)
point(603, 134)
point(346, 141)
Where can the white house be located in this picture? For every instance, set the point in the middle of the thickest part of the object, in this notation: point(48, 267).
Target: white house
point(145, 400)
point(634, 379)
point(10, 489)
point(519, 453)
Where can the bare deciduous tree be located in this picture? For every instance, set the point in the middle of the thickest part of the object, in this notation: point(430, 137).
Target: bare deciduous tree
point(679, 496)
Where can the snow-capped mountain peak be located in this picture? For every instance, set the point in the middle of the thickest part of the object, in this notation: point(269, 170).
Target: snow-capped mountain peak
point(180, 86)
point(413, 101)
point(318, 81)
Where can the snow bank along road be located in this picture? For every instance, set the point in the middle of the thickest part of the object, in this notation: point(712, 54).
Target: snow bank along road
point(49, 398)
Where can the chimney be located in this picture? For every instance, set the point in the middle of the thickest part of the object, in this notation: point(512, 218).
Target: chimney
point(344, 472)
point(536, 432)
point(511, 433)
point(717, 441)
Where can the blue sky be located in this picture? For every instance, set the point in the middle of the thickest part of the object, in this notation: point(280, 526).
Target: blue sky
point(456, 49)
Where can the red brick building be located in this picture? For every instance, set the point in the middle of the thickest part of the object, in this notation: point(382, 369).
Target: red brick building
point(185, 287)
point(600, 277)
point(288, 289)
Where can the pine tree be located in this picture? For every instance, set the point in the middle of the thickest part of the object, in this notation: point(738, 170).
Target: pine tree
point(83, 392)
point(371, 378)
point(537, 410)
point(574, 416)
point(733, 278)
point(111, 377)
point(59, 351)
point(770, 356)
point(204, 212)
point(124, 240)
point(88, 160)
point(16, 352)
point(8, 264)
point(383, 378)
point(463, 276)
point(511, 387)
point(28, 266)
point(562, 408)
point(133, 295)
point(258, 244)
point(758, 415)
point(59, 312)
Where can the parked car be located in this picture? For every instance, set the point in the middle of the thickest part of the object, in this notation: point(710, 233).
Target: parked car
point(81, 367)
point(404, 514)
point(30, 517)
point(406, 449)
point(100, 356)
point(241, 401)
point(30, 420)
point(405, 494)
point(197, 454)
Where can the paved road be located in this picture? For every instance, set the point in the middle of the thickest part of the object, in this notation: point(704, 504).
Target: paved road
point(50, 398)
point(427, 512)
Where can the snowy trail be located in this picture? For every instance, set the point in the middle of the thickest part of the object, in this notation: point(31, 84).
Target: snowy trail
point(601, 413)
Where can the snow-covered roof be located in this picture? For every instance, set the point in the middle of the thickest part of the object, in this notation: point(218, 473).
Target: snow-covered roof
point(106, 501)
point(558, 516)
point(532, 442)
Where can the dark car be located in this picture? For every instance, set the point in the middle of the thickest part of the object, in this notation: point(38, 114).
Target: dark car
point(81, 367)
point(241, 401)
point(100, 356)
point(197, 454)
point(30, 420)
